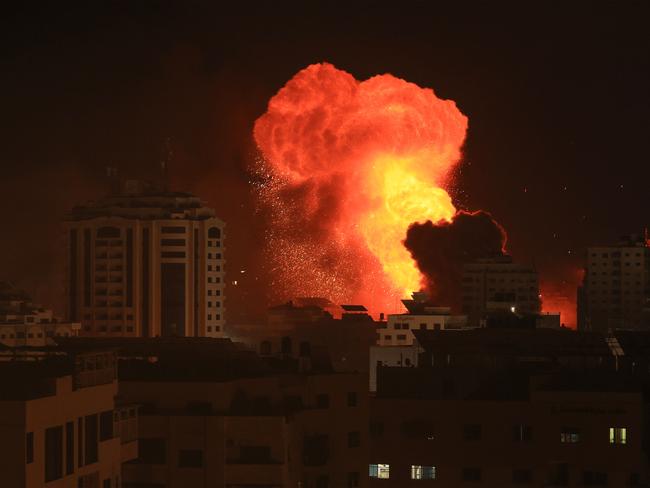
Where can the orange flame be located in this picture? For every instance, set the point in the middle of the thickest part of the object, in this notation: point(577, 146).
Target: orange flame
point(358, 162)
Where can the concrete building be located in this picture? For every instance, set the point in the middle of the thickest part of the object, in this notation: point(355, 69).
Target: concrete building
point(499, 284)
point(144, 263)
point(512, 407)
point(616, 289)
point(399, 328)
point(216, 415)
point(23, 323)
point(60, 426)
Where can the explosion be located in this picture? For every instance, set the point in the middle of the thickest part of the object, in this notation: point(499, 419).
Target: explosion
point(348, 166)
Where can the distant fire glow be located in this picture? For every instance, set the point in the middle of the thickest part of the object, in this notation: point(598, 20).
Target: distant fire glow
point(347, 167)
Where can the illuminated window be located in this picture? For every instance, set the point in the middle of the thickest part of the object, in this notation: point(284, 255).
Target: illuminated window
point(569, 435)
point(423, 472)
point(618, 435)
point(381, 471)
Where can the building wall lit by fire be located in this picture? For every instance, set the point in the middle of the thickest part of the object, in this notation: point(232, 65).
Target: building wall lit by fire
point(146, 262)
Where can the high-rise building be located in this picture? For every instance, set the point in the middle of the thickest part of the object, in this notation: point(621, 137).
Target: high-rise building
point(146, 262)
point(615, 293)
point(494, 284)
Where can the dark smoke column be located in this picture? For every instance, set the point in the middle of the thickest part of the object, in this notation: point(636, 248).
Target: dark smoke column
point(441, 249)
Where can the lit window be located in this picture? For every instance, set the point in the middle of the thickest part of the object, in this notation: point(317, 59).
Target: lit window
point(381, 471)
point(423, 472)
point(618, 435)
point(569, 435)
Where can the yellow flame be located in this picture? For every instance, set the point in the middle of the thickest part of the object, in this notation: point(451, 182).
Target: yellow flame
point(401, 198)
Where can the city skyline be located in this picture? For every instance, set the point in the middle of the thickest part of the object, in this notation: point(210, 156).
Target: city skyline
point(543, 121)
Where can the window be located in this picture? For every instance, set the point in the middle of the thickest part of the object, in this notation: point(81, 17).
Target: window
point(172, 242)
point(352, 399)
point(381, 471)
point(29, 447)
point(190, 458)
point(173, 230)
point(472, 432)
point(69, 447)
point(522, 433)
point(618, 435)
point(53, 453)
point(423, 472)
point(80, 441)
point(522, 476)
point(322, 401)
point(471, 474)
point(152, 451)
point(354, 439)
point(401, 337)
point(106, 425)
point(91, 446)
point(569, 435)
point(353, 480)
point(173, 254)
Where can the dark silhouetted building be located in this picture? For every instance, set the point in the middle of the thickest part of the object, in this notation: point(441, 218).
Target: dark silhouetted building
point(497, 284)
point(615, 293)
point(511, 407)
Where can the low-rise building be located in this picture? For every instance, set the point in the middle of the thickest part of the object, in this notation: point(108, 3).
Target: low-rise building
point(24, 323)
point(60, 425)
point(506, 407)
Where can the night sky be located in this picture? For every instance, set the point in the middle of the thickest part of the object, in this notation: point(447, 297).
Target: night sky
point(556, 95)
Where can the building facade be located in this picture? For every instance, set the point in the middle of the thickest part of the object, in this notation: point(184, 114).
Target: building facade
point(615, 293)
point(60, 425)
point(146, 263)
point(236, 419)
point(513, 407)
point(499, 283)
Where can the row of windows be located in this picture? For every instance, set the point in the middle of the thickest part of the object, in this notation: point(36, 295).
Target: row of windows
point(31, 335)
point(474, 432)
point(113, 328)
point(418, 472)
point(558, 477)
point(216, 316)
point(91, 430)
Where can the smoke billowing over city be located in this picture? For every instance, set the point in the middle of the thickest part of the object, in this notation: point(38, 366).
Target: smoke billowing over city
point(318, 245)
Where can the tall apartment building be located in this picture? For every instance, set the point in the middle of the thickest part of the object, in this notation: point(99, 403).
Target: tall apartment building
point(616, 288)
point(24, 323)
point(146, 262)
point(499, 283)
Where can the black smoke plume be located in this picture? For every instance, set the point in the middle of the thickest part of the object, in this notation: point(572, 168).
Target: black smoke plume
point(441, 249)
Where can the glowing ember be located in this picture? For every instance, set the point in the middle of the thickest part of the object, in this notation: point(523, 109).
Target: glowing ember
point(348, 166)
